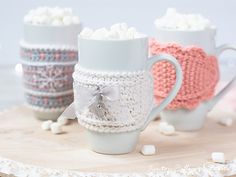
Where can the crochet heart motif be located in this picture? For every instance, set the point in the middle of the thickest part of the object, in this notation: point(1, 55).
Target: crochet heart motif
point(200, 74)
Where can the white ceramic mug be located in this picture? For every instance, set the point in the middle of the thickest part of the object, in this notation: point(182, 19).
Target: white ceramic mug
point(184, 119)
point(122, 56)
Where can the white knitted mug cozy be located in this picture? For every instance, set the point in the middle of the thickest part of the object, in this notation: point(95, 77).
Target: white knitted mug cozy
point(112, 101)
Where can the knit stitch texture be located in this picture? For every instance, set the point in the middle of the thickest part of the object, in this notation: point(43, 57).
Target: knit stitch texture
point(47, 76)
point(200, 74)
point(129, 112)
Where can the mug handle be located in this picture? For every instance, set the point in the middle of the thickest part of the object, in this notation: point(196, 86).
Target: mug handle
point(218, 96)
point(179, 78)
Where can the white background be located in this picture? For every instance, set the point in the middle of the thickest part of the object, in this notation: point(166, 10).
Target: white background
point(98, 13)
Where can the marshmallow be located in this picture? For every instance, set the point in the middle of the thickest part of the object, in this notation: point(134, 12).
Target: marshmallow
point(51, 16)
point(75, 20)
point(119, 31)
point(176, 21)
point(166, 129)
point(100, 34)
point(226, 121)
point(148, 150)
point(218, 157)
point(46, 125)
point(57, 22)
point(86, 32)
point(67, 20)
point(112, 35)
point(56, 128)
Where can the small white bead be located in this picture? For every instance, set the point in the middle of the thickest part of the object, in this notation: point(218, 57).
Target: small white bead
point(148, 150)
point(226, 121)
point(218, 157)
point(56, 128)
point(46, 125)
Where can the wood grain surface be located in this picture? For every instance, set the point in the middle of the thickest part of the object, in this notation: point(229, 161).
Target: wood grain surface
point(23, 140)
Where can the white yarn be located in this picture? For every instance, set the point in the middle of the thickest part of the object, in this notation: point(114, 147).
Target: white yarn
point(126, 114)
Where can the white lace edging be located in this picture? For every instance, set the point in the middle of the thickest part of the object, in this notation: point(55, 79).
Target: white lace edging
point(208, 170)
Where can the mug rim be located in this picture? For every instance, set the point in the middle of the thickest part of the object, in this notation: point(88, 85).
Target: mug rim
point(51, 26)
point(144, 36)
point(186, 31)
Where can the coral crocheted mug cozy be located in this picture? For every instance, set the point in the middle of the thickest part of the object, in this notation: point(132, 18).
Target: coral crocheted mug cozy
point(197, 54)
point(113, 92)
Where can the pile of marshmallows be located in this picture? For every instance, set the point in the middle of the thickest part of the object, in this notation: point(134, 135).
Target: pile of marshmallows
point(175, 21)
point(55, 127)
point(119, 31)
point(51, 16)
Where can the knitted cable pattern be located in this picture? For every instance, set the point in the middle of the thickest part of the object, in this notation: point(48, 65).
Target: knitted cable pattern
point(129, 112)
point(200, 75)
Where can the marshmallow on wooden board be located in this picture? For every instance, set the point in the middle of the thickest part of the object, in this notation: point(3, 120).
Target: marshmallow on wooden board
point(46, 125)
point(218, 157)
point(56, 128)
point(226, 121)
point(166, 129)
point(148, 150)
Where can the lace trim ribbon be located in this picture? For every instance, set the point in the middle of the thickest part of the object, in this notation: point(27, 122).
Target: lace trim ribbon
point(209, 169)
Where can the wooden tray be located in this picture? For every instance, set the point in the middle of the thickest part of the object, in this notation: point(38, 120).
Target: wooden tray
point(23, 140)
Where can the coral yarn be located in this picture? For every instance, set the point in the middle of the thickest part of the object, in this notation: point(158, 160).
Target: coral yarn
point(200, 74)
